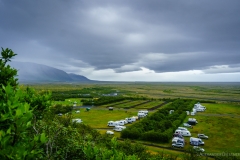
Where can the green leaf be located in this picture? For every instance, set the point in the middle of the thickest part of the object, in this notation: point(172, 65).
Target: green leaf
point(9, 131)
point(43, 138)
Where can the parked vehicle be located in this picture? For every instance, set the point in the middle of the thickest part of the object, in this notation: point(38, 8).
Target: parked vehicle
point(124, 120)
point(198, 149)
point(130, 120)
point(179, 145)
point(145, 112)
point(192, 121)
point(77, 120)
point(199, 106)
point(121, 122)
point(202, 136)
point(200, 109)
point(178, 140)
point(196, 141)
point(77, 111)
point(110, 132)
point(183, 133)
point(136, 117)
point(112, 123)
point(177, 135)
point(171, 111)
point(59, 114)
point(182, 128)
point(141, 115)
point(187, 125)
point(119, 128)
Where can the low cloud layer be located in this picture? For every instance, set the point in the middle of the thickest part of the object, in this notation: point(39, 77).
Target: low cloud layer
point(112, 40)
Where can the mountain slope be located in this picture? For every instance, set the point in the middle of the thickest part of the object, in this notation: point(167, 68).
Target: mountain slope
point(32, 72)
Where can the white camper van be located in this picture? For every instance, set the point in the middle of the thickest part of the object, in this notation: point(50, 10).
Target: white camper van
point(193, 119)
point(171, 111)
point(141, 115)
point(77, 120)
point(112, 123)
point(178, 140)
point(130, 120)
point(119, 128)
point(200, 110)
point(196, 141)
point(182, 128)
point(121, 123)
point(183, 133)
point(143, 112)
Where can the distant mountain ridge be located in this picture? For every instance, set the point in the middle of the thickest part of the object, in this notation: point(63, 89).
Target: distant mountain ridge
point(33, 72)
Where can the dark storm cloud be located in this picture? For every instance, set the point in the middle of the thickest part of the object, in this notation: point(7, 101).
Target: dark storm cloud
point(164, 36)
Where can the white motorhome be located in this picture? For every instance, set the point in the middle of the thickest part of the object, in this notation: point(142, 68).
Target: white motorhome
point(112, 123)
point(187, 112)
point(192, 119)
point(77, 120)
point(130, 120)
point(182, 128)
point(119, 128)
point(200, 110)
point(136, 117)
point(196, 141)
point(192, 113)
point(178, 140)
point(121, 123)
point(183, 133)
point(199, 107)
point(171, 111)
point(141, 115)
point(124, 120)
point(194, 110)
point(145, 112)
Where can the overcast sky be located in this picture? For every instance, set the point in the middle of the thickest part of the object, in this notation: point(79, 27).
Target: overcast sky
point(127, 40)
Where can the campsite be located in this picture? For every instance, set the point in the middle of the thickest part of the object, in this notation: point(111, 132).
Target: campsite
point(213, 122)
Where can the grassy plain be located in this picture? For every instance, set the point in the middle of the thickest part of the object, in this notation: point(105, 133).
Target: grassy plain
point(221, 121)
point(69, 101)
point(202, 91)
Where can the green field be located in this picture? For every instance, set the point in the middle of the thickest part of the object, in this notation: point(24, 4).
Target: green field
point(222, 108)
point(223, 131)
point(220, 121)
point(202, 91)
point(69, 101)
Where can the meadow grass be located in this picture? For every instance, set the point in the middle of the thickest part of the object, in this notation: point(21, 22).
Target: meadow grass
point(222, 108)
point(223, 133)
point(69, 101)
